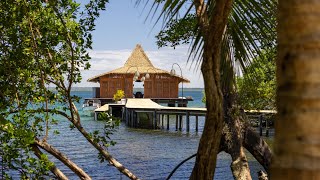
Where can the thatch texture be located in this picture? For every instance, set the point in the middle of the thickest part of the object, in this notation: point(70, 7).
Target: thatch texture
point(138, 61)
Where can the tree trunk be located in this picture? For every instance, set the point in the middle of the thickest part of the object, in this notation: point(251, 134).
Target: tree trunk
point(238, 134)
point(106, 154)
point(212, 30)
point(53, 169)
point(47, 147)
point(256, 146)
point(297, 128)
point(102, 151)
point(239, 166)
point(231, 144)
point(232, 138)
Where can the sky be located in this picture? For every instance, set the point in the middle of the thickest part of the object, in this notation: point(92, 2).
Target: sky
point(119, 29)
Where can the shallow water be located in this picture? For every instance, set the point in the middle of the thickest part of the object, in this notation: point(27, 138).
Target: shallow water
point(150, 154)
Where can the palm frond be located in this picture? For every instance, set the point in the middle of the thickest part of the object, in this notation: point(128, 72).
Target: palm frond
point(251, 26)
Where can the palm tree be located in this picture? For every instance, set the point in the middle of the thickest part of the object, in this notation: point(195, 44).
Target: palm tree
point(225, 31)
point(297, 124)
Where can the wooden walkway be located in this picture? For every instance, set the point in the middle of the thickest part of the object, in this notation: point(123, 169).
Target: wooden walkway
point(145, 113)
point(111, 109)
point(104, 108)
point(137, 109)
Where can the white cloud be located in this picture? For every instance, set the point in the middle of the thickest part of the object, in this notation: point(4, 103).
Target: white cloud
point(107, 60)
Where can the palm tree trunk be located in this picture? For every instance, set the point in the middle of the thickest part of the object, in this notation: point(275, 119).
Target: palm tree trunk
point(297, 143)
point(212, 30)
point(231, 143)
point(233, 135)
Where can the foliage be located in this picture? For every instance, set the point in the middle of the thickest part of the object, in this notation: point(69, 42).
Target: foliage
point(257, 87)
point(250, 28)
point(104, 138)
point(118, 95)
point(42, 43)
point(109, 128)
point(249, 33)
point(177, 32)
point(203, 99)
point(250, 25)
point(16, 151)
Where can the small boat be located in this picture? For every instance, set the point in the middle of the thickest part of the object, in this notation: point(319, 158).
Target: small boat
point(89, 105)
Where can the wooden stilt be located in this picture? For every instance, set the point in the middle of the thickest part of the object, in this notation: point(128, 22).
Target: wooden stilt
point(137, 121)
point(168, 122)
point(127, 116)
point(180, 122)
point(162, 119)
point(267, 128)
point(176, 122)
point(132, 117)
point(158, 120)
point(155, 120)
point(122, 114)
point(188, 122)
point(197, 123)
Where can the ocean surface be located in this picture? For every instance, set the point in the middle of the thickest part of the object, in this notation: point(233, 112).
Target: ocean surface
point(149, 154)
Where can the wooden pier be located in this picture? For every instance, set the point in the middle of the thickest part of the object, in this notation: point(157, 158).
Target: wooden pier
point(260, 120)
point(145, 112)
point(172, 102)
point(112, 109)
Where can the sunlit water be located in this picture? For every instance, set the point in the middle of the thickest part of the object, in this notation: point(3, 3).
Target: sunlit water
point(150, 154)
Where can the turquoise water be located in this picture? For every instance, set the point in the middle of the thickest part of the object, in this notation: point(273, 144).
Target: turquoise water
point(150, 154)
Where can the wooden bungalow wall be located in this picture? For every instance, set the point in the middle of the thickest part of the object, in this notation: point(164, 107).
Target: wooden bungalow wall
point(110, 84)
point(161, 86)
point(158, 86)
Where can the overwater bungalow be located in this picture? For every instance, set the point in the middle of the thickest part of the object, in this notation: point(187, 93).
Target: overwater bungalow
point(157, 83)
point(141, 109)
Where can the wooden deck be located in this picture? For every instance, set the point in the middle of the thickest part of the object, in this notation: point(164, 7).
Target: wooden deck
point(170, 101)
point(134, 109)
point(103, 108)
point(149, 104)
point(108, 108)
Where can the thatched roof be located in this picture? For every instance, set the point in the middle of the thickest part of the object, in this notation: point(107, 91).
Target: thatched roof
point(137, 61)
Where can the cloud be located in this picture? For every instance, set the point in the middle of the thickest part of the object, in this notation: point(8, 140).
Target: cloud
point(106, 60)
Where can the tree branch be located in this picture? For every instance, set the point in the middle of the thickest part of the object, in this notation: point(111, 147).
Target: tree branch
point(257, 147)
point(63, 158)
point(101, 150)
point(53, 168)
point(69, 42)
